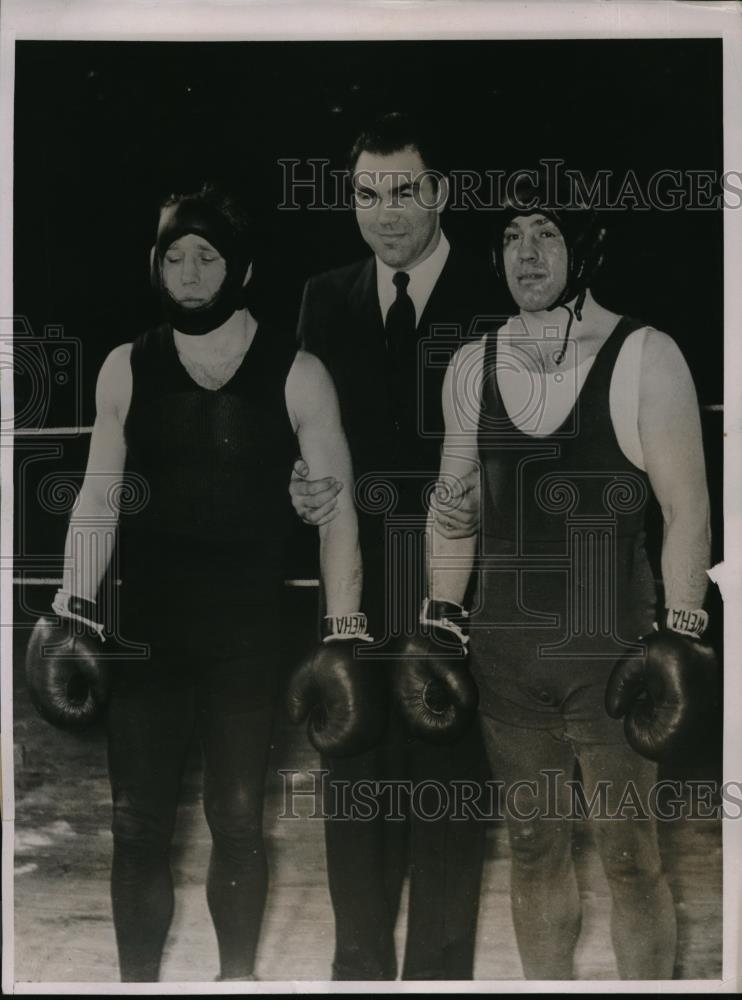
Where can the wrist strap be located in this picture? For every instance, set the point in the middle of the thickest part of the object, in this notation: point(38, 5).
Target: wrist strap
point(690, 623)
point(341, 627)
point(78, 609)
point(448, 615)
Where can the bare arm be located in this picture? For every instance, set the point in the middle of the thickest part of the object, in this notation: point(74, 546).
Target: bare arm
point(312, 403)
point(451, 558)
point(455, 510)
point(312, 496)
point(670, 433)
point(92, 528)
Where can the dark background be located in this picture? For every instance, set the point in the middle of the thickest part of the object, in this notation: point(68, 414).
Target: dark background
point(104, 129)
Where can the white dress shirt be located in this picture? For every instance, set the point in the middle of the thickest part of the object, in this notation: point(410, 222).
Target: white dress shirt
point(423, 277)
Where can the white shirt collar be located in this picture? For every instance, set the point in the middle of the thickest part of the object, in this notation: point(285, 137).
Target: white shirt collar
point(423, 277)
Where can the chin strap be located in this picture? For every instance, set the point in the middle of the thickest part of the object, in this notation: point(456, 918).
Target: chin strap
point(580, 302)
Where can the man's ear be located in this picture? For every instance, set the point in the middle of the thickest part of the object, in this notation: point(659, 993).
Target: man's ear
point(248, 275)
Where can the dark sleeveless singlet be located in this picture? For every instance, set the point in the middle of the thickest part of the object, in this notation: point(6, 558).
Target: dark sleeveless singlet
point(565, 587)
point(202, 559)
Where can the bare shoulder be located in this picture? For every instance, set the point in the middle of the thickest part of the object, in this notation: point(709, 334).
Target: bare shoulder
point(307, 365)
point(472, 351)
point(666, 387)
point(462, 388)
point(660, 347)
point(307, 375)
point(468, 360)
point(118, 360)
point(466, 366)
point(113, 391)
point(310, 391)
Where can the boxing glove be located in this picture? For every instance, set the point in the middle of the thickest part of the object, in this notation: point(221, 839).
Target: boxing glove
point(433, 688)
point(344, 696)
point(667, 697)
point(67, 680)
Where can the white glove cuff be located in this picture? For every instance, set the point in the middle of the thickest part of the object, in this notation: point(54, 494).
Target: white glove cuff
point(340, 627)
point(61, 607)
point(690, 623)
point(446, 614)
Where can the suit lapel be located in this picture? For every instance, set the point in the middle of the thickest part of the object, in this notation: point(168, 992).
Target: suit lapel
point(438, 307)
point(363, 299)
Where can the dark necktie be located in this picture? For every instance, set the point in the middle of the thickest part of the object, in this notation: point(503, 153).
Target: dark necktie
point(400, 338)
point(400, 319)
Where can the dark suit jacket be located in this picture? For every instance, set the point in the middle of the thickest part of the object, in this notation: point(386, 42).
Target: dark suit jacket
point(340, 322)
point(395, 450)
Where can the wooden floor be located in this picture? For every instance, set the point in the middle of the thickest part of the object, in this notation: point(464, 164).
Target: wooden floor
point(63, 928)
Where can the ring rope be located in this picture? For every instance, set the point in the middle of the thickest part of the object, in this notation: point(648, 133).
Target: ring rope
point(69, 431)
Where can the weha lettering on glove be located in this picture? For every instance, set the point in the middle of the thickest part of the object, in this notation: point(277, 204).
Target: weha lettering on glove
point(344, 697)
point(668, 697)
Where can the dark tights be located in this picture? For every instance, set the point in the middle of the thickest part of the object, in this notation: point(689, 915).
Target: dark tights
point(154, 710)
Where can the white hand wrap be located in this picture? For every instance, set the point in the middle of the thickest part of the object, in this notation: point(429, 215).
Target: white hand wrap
point(690, 623)
point(339, 627)
point(79, 610)
point(448, 615)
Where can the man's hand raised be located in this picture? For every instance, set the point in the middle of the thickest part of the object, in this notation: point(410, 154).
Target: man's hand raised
point(455, 505)
point(314, 500)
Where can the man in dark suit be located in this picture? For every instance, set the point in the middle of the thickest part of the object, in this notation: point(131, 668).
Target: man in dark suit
point(385, 327)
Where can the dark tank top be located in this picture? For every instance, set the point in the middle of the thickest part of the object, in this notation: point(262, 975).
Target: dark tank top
point(565, 584)
point(201, 559)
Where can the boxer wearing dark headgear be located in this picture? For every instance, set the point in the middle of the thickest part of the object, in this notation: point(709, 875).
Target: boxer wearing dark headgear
point(583, 237)
point(209, 410)
point(575, 415)
point(197, 217)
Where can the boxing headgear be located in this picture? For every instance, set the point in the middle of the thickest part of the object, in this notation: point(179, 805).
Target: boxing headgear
point(201, 216)
point(575, 220)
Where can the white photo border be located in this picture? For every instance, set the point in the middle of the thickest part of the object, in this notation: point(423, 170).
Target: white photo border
point(285, 20)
